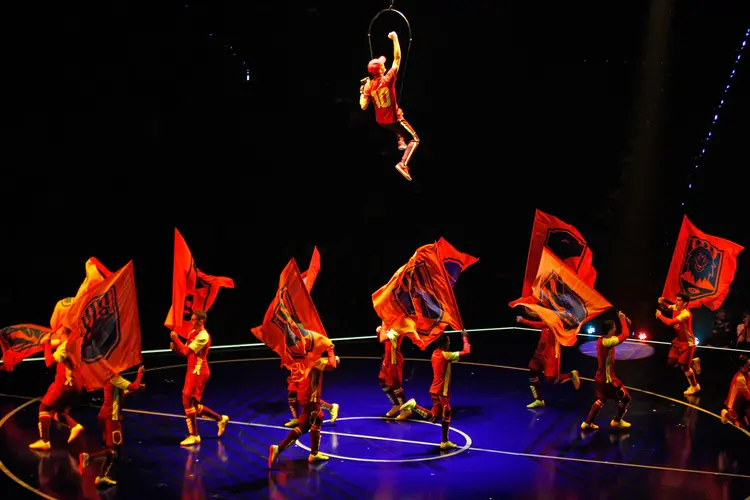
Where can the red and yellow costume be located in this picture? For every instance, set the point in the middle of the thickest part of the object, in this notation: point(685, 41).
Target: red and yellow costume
point(442, 371)
point(737, 405)
point(606, 383)
point(110, 422)
point(546, 360)
point(198, 372)
point(381, 90)
point(309, 394)
point(682, 351)
point(60, 397)
point(292, 389)
point(392, 371)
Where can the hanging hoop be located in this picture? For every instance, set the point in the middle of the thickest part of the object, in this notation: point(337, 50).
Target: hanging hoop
point(408, 45)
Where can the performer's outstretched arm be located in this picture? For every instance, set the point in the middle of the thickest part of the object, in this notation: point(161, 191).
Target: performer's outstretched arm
point(458, 355)
point(672, 321)
point(624, 332)
point(529, 323)
point(396, 51)
point(196, 345)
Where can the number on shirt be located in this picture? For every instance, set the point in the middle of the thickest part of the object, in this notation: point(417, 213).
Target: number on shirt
point(382, 97)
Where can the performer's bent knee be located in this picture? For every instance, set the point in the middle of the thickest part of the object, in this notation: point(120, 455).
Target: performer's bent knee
point(188, 402)
point(291, 395)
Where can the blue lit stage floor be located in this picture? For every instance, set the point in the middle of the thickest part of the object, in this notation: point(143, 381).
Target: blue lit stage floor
point(674, 449)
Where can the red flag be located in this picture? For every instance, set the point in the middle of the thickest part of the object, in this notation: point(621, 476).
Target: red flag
point(291, 326)
point(455, 262)
point(18, 342)
point(192, 290)
point(565, 242)
point(309, 276)
point(703, 267)
point(419, 298)
point(96, 272)
point(106, 338)
point(561, 299)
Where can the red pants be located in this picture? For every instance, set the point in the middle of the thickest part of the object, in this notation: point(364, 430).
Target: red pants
point(194, 386)
point(111, 432)
point(60, 397)
point(549, 365)
point(441, 408)
point(610, 390)
point(392, 374)
point(681, 353)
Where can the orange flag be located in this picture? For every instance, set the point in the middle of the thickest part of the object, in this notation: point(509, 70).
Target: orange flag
point(565, 242)
point(455, 262)
point(703, 266)
point(192, 290)
point(418, 301)
point(95, 274)
point(561, 299)
point(309, 276)
point(106, 336)
point(291, 326)
point(18, 342)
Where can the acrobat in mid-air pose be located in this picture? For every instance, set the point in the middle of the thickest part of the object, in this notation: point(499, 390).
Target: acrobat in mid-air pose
point(683, 345)
point(442, 371)
point(546, 360)
point(606, 383)
point(381, 89)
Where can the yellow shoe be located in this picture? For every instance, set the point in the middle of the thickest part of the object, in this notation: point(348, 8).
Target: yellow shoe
point(74, 432)
point(104, 480)
point(191, 440)
point(395, 409)
point(589, 427)
point(40, 445)
point(405, 414)
point(447, 445)
point(538, 403)
point(692, 390)
point(222, 425)
point(334, 412)
point(292, 423)
point(619, 425)
point(576, 379)
point(318, 457)
point(724, 419)
point(273, 455)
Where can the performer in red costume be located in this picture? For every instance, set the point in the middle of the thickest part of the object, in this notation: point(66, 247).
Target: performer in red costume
point(737, 405)
point(682, 351)
point(198, 373)
point(382, 90)
point(291, 396)
point(310, 390)
point(546, 360)
point(392, 371)
point(606, 383)
point(61, 395)
point(110, 422)
point(442, 371)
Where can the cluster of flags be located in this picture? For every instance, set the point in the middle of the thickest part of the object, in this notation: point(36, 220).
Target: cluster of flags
point(418, 301)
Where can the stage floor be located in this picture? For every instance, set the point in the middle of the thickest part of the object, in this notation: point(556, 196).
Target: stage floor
point(675, 449)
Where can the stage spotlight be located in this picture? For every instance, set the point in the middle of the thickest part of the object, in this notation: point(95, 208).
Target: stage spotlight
point(642, 336)
point(591, 330)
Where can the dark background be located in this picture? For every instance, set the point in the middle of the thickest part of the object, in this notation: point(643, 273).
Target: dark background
point(128, 119)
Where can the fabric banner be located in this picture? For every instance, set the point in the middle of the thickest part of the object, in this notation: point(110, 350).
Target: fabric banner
point(703, 266)
point(561, 299)
point(18, 342)
point(106, 338)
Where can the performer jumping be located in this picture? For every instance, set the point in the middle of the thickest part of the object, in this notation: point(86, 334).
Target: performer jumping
point(382, 90)
point(737, 405)
point(392, 370)
point(198, 373)
point(546, 360)
point(606, 383)
point(442, 359)
point(110, 422)
point(292, 393)
point(61, 395)
point(683, 345)
point(310, 391)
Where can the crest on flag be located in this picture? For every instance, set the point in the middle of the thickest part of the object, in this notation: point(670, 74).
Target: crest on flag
point(556, 296)
point(287, 320)
point(701, 268)
point(100, 322)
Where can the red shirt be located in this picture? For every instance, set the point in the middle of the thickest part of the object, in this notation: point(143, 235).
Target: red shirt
point(605, 355)
point(738, 390)
point(393, 354)
point(114, 393)
point(310, 388)
point(442, 369)
point(382, 92)
point(684, 327)
point(548, 347)
point(198, 343)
